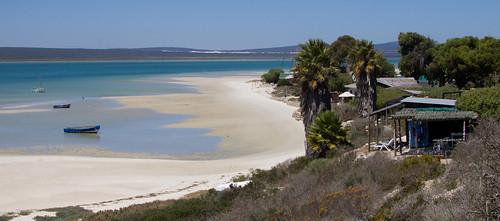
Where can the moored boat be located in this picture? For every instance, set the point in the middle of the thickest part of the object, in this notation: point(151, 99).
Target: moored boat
point(83, 129)
point(38, 90)
point(58, 106)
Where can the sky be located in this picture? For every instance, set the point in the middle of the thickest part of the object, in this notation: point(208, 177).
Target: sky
point(235, 24)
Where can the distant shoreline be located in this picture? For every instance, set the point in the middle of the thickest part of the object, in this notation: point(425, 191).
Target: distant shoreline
point(144, 60)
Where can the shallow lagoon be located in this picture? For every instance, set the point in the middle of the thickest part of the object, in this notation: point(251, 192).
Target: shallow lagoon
point(131, 131)
point(122, 131)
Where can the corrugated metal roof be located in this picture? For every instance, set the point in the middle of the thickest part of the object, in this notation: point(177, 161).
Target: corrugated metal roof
point(434, 114)
point(420, 100)
point(397, 82)
point(386, 108)
point(412, 92)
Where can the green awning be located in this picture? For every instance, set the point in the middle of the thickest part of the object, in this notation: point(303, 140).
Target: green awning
point(434, 114)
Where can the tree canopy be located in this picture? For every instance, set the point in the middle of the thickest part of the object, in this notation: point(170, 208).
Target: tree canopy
point(340, 50)
point(468, 62)
point(415, 53)
point(484, 101)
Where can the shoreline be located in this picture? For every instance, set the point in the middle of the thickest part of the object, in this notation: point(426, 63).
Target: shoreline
point(249, 121)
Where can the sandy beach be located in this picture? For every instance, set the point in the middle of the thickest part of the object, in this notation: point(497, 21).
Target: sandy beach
point(257, 132)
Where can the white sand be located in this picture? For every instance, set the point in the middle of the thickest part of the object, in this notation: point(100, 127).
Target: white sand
point(258, 132)
point(22, 110)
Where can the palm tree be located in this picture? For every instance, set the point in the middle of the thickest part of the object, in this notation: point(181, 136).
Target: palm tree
point(365, 63)
point(326, 134)
point(312, 69)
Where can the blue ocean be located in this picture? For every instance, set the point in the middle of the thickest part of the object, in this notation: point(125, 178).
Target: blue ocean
point(83, 84)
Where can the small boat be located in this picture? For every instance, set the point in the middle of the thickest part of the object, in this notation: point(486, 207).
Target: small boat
point(83, 129)
point(38, 90)
point(59, 106)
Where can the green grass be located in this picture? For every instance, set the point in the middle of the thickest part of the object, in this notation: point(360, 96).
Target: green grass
point(385, 95)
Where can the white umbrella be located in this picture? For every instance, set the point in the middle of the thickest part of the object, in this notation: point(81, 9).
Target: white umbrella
point(346, 94)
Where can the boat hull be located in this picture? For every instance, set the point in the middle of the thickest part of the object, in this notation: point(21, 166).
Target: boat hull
point(60, 106)
point(86, 129)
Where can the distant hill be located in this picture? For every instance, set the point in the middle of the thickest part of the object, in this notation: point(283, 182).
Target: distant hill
point(167, 53)
point(389, 49)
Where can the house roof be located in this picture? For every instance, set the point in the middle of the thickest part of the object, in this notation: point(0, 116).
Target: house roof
point(397, 82)
point(418, 100)
point(434, 114)
point(435, 101)
point(412, 92)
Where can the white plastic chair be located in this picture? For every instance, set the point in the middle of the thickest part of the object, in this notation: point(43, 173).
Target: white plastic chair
point(385, 145)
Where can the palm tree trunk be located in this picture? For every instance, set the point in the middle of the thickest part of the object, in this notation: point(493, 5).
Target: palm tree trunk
point(312, 104)
point(366, 86)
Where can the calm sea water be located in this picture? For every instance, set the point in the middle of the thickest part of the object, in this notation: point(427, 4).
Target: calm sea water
point(123, 130)
point(393, 60)
point(69, 80)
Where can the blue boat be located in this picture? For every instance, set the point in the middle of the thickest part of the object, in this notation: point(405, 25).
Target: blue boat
point(59, 106)
point(83, 129)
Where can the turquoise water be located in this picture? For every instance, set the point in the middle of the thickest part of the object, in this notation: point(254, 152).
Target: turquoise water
point(122, 130)
point(72, 80)
point(393, 60)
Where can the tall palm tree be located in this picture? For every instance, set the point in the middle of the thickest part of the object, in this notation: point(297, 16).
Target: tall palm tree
point(313, 69)
point(365, 63)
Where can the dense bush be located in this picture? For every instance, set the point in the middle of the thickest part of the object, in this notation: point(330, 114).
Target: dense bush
point(484, 101)
point(283, 82)
point(65, 213)
point(272, 76)
point(437, 92)
point(326, 134)
point(338, 82)
point(200, 208)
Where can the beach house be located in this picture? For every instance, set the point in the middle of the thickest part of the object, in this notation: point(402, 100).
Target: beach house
point(420, 125)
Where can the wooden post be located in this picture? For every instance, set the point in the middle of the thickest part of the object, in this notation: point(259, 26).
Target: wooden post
point(399, 137)
point(386, 118)
point(376, 129)
point(369, 134)
point(407, 133)
point(414, 129)
point(394, 137)
point(463, 132)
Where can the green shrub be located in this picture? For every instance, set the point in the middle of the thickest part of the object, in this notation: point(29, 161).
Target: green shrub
point(284, 82)
point(65, 213)
point(416, 169)
point(484, 101)
point(338, 82)
point(272, 76)
point(437, 92)
point(200, 208)
point(5, 218)
point(318, 165)
point(326, 134)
